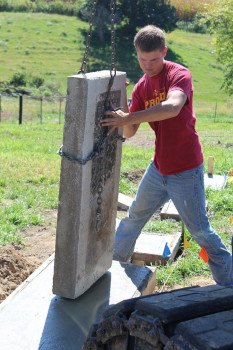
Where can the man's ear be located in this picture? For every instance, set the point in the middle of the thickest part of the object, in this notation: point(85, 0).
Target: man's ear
point(165, 51)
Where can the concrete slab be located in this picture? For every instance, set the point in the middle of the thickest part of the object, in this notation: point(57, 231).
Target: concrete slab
point(33, 318)
point(150, 247)
point(216, 182)
point(169, 211)
point(124, 202)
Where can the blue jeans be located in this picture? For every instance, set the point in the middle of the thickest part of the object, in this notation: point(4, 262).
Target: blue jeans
point(187, 192)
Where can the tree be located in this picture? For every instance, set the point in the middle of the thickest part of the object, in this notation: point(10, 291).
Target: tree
point(102, 15)
point(131, 15)
point(220, 16)
point(138, 13)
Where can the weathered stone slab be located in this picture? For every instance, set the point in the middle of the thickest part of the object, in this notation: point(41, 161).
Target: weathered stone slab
point(84, 251)
point(149, 248)
point(124, 202)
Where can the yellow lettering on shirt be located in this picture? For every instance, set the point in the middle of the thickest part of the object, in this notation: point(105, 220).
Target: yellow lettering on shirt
point(152, 102)
point(162, 96)
point(159, 97)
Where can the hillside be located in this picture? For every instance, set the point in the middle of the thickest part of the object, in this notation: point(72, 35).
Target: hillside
point(52, 47)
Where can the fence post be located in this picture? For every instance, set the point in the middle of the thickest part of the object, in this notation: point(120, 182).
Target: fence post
point(215, 112)
point(41, 101)
point(20, 109)
point(60, 99)
point(0, 108)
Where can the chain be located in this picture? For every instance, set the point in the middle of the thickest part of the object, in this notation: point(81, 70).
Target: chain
point(112, 18)
point(84, 62)
point(93, 154)
point(100, 145)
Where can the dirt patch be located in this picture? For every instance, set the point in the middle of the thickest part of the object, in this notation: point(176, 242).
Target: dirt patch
point(143, 138)
point(14, 268)
point(18, 262)
point(134, 175)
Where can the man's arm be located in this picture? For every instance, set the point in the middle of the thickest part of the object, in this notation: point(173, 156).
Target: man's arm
point(128, 130)
point(169, 108)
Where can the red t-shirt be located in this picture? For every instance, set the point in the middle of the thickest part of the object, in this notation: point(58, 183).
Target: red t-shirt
point(177, 146)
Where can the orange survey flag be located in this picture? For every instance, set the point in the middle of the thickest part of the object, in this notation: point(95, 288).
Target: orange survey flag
point(203, 254)
point(232, 219)
point(186, 243)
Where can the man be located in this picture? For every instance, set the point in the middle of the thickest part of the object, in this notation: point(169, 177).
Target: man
point(164, 98)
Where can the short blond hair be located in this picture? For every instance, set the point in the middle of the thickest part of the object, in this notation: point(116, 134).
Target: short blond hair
point(150, 38)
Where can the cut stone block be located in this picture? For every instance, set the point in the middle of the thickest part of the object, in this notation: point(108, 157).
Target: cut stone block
point(124, 202)
point(150, 247)
point(84, 251)
point(169, 211)
point(216, 182)
point(33, 318)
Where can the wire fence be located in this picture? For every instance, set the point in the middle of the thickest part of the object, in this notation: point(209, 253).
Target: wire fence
point(31, 109)
point(23, 109)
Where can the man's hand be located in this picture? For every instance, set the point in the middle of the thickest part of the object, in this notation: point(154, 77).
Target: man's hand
point(118, 118)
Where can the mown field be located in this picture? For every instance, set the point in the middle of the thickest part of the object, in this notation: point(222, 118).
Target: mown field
point(52, 46)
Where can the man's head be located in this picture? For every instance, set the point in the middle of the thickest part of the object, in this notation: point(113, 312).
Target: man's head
point(150, 38)
point(151, 50)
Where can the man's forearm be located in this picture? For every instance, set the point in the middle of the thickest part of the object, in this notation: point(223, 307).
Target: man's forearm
point(161, 111)
point(130, 130)
point(169, 108)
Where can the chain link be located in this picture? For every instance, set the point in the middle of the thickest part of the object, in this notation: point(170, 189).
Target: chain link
point(84, 62)
point(112, 18)
point(93, 154)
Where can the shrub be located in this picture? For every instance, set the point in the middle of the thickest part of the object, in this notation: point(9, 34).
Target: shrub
point(187, 10)
point(195, 26)
point(69, 8)
point(19, 79)
point(37, 81)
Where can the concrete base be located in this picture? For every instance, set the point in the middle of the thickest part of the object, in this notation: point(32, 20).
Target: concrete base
point(33, 318)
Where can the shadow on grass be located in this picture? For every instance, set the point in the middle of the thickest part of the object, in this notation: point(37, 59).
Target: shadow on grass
point(125, 56)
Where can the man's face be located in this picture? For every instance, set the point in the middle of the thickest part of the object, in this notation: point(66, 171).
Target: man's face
point(151, 62)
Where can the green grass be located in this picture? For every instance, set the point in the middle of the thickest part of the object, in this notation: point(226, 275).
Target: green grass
point(49, 110)
point(51, 46)
point(29, 176)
